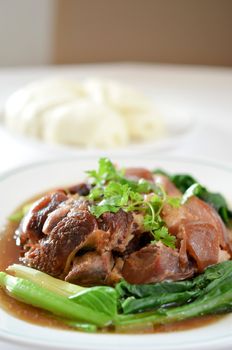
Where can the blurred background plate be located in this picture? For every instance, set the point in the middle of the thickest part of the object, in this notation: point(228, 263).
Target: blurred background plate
point(196, 102)
point(178, 117)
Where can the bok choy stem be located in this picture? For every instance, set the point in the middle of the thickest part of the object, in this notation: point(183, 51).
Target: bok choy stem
point(44, 280)
point(32, 294)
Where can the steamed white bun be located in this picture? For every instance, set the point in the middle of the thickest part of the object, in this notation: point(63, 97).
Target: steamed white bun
point(84, 123)
point(92, 113)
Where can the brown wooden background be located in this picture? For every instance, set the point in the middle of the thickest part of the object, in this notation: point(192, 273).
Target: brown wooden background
point(169, 31)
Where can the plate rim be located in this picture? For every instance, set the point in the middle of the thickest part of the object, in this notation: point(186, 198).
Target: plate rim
point(205, 161)
point(193, 160)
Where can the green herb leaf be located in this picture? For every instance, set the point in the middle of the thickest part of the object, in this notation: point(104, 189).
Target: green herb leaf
point(163, 236)
point(106, 171)
point(159, 232)
point(112, 192)
point(98, 210)
point(96, 193)
point(175, 202)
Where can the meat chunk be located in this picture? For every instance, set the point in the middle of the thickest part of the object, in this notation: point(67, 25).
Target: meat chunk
point(97, 240)
point(54, 218)
point(116, 274)
point(154, 263)
point(51, 256)
point(120, 226)
point(90, 269)
point(202, 243)
point(82, 189)
point(33, 222)
point(70, 231)
point(61, 237)
point(199, 229)
point(193, 210)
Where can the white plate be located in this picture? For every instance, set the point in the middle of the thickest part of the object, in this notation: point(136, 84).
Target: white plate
point(22, 183)
point(178, 125)
point(178, 117)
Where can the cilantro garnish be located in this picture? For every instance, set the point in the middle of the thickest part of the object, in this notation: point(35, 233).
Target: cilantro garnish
point(106, 172)
point(112, 191)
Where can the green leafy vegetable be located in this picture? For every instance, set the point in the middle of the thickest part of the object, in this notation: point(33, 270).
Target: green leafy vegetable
point(125, 289)
point(139, 305)
point(44, 280)
point(16, 217)
point(132, 304)
point(217, 300)
point(100, 298)
point(136, 298)
point(193, 190)
point(32, 294)
point(182, 181)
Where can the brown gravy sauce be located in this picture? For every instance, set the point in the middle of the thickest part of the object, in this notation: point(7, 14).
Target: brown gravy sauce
point(9, 254)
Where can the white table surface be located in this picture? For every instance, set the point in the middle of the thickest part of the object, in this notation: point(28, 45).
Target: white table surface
point(205, 93)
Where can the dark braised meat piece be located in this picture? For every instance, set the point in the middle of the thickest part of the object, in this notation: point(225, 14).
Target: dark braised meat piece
point(116, 273)
point(120, 225)
point(72, 239)
point(61, 237)
point(154, 263)
point(82, 189)
point(54, 250)
point(54, 218)
point(90, 269)
point(140, 240)
point(199, 229)
point(202, 243)
point(32, 225)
